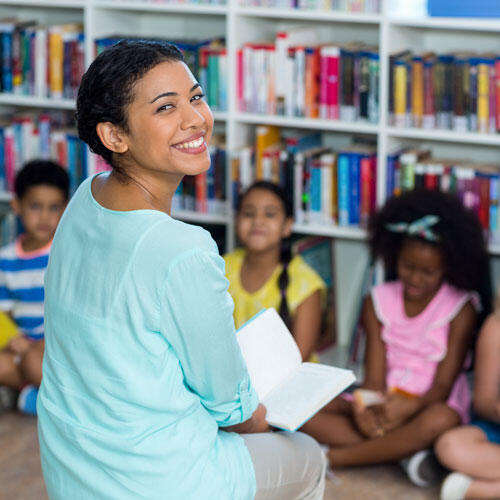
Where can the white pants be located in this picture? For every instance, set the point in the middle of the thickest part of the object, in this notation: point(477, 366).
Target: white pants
point(288, 466)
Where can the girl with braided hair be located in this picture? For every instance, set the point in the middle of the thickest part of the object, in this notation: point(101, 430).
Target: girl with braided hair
point(419, 327)
point(263, 273)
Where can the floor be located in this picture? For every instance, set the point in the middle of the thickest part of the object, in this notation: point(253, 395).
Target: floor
point(21, 476)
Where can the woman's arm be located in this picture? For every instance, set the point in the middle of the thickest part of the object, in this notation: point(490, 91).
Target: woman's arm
point(307, 324)
point(197, 322)
point(487, 370)
point(374, 364)
point(256, 423)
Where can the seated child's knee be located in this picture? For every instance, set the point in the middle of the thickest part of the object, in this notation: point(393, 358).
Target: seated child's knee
point(438, 419)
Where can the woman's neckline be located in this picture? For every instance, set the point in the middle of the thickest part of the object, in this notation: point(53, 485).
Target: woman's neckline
point(118, 212)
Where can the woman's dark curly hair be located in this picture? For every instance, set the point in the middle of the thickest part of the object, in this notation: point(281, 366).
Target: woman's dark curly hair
point(461, 238)
point(286, 246)
point(107, 86)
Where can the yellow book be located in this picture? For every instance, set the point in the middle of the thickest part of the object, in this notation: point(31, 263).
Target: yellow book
point(58, 34)
point(417, 91)
point(8, 329)
point(483, 97)
point(265, 136)
point(400, 84)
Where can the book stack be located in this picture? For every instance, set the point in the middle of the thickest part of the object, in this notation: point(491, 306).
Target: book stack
point(42, 61)
point(476, 184)
point(27, 136)
point(207, 59)
point(295, 76)
point(175, 2)
point(327, 187)
point(365, 6)
point(458, 91)
point(205, 193)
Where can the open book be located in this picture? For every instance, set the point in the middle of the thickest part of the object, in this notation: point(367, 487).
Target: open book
point(292, 391)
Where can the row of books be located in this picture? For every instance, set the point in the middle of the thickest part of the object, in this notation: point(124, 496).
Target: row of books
point(207, 59)
point(176, 2)
point(294, 76)
point(365, 6)
point(476, 184)
point(326, 186)
point(42, 61)
point(458, 91)
point(206, 192)
point(25, 137)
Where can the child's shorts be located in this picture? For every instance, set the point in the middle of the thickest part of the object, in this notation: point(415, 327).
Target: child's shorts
point(491, 429)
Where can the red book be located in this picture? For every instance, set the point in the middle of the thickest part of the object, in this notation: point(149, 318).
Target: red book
point(200, 189)
point(332, 82)
point(239, 79)
point(484, 201)
point(366, 190)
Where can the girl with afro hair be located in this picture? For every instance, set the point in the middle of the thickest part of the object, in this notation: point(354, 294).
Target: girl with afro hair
point(419, 328)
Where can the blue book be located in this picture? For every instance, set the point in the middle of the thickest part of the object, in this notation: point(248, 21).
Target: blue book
point(354, 187)
point(494, 199)
point(71, 155)
point(343, 162)
point(315, 191)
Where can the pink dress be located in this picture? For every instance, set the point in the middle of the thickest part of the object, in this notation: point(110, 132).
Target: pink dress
point(415, 346)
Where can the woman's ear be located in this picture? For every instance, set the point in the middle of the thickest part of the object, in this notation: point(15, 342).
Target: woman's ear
point(112, 137)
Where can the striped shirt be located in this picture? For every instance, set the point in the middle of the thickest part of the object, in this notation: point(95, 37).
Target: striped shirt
point(21, 286)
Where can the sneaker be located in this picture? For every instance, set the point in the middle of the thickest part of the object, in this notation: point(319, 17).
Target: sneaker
point(423, 469)
point(455, 486)
point(26, 402)
point(8, 398)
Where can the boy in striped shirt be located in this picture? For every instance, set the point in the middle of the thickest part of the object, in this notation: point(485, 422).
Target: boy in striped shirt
point(41, 195)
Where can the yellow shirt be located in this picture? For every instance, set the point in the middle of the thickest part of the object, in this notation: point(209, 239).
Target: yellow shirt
point(303, 281)
point(8, 329)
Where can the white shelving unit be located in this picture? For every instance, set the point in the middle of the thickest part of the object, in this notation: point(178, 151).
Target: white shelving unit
point(240, 24)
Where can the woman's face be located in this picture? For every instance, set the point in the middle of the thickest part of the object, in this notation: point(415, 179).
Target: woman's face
point(169, 123)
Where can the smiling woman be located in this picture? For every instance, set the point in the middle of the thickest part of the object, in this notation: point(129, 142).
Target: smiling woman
point(144, 387)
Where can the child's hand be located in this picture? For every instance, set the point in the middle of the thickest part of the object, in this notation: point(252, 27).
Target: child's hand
point(18, 345)
point(367, 421)
point(397, 409)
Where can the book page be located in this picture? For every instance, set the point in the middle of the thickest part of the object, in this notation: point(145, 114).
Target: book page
point(304, 393)
point(269, 350)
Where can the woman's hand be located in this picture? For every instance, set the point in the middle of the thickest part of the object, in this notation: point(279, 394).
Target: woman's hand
point(256, 423)
point(397, 409)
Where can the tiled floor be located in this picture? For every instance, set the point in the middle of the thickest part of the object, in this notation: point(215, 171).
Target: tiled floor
point(21, 477)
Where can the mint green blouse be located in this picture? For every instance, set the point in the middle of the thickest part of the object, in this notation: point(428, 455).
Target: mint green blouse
point(141, 367)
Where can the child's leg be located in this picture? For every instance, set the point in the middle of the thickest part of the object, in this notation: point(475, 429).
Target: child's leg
point(334, 425)
point(10, 372)
point(418, 433)
point(31, 364)
point(468, 450)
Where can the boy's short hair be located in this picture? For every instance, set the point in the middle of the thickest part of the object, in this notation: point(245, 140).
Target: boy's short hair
point(41, 172)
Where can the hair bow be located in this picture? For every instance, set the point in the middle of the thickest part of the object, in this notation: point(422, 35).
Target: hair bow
point(420, 227)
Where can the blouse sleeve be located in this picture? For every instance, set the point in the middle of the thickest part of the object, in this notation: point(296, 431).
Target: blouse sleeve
point(197, 320)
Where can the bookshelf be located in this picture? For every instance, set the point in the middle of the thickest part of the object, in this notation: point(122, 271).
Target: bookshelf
point(240, 24)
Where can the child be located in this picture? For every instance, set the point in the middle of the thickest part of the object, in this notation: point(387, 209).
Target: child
point(474, 451)
point(264, 274)
point(418, 332)
point(41, 194)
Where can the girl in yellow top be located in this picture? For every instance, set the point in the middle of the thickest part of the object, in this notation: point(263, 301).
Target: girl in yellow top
point(264, 274)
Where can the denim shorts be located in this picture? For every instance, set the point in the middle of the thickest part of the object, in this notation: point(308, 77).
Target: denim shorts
point(491, 429)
